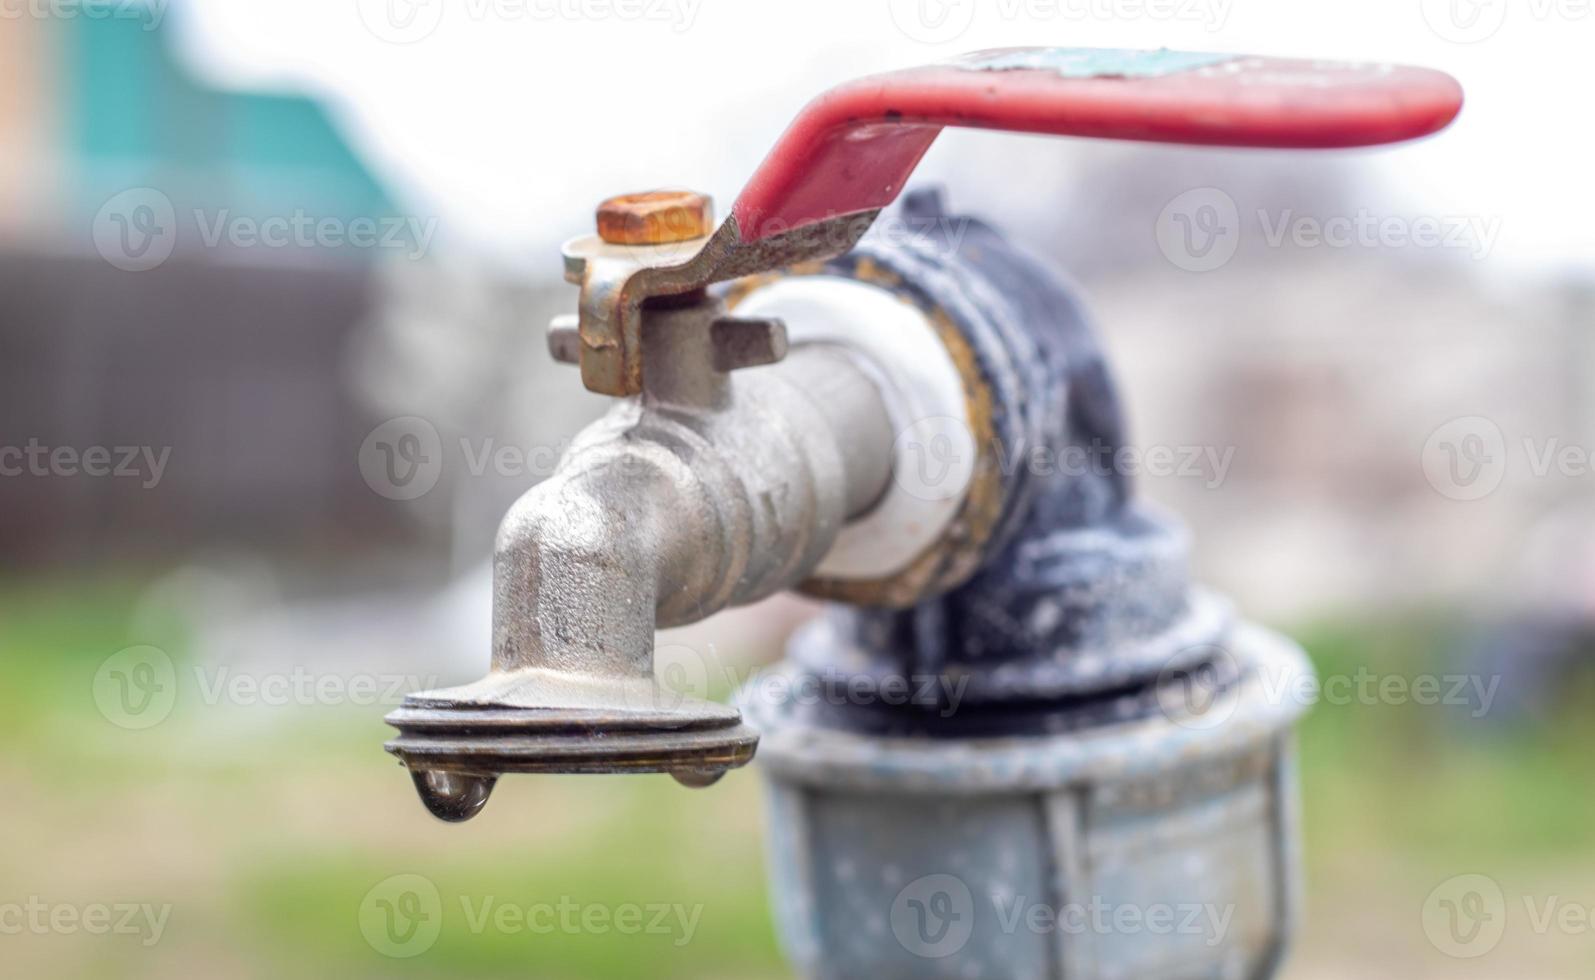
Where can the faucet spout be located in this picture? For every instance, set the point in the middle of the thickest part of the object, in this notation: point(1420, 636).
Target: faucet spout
point(679, 502)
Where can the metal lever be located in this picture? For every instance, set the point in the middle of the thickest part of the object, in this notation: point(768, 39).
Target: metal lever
point(851, 150)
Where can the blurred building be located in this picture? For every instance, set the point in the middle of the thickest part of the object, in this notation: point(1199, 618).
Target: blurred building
point(1319, 375)
point(230, 354)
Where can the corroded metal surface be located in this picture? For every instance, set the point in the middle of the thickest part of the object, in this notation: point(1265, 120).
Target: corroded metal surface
point(655, 218)
point(929, 858)
point(1049, 766)
point(617, 279)
point(711, 489)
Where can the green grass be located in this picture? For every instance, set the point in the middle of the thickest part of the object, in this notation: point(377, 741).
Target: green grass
point(1436, 782)
point(268, 840)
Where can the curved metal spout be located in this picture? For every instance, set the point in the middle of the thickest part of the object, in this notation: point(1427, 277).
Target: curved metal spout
point(711, 489)
point(664, 513)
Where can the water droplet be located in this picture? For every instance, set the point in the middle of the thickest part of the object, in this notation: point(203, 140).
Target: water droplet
point(452, 796)
point(698, 778)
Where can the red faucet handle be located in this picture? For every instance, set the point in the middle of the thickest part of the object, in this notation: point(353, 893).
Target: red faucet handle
point(852, 149)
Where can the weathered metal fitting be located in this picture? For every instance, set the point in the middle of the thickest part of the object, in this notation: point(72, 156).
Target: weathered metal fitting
point(617, 280)
point(904, 856)
point(564, 339)
point(709, 490)
point(741, 342)
point(655, 218)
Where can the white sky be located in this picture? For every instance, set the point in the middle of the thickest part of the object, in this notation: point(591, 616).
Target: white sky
point(512, 118)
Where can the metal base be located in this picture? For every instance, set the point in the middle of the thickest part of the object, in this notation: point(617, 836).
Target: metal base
point(493, 741)
point(1160, 847)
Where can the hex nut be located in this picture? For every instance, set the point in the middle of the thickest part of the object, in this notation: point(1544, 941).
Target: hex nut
point(655, 218)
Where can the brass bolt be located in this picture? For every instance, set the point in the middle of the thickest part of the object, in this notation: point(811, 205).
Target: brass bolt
point(655, 218)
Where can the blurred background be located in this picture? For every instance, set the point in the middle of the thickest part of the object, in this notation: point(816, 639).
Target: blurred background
point(242, 245)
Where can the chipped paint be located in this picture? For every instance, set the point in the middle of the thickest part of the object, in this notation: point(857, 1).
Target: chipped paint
point(1091, 62)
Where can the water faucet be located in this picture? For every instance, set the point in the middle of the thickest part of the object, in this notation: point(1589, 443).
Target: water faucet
point(782, 383)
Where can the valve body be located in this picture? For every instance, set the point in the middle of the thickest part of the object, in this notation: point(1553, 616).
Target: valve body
point(1042, 722)
point(1074, 764)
